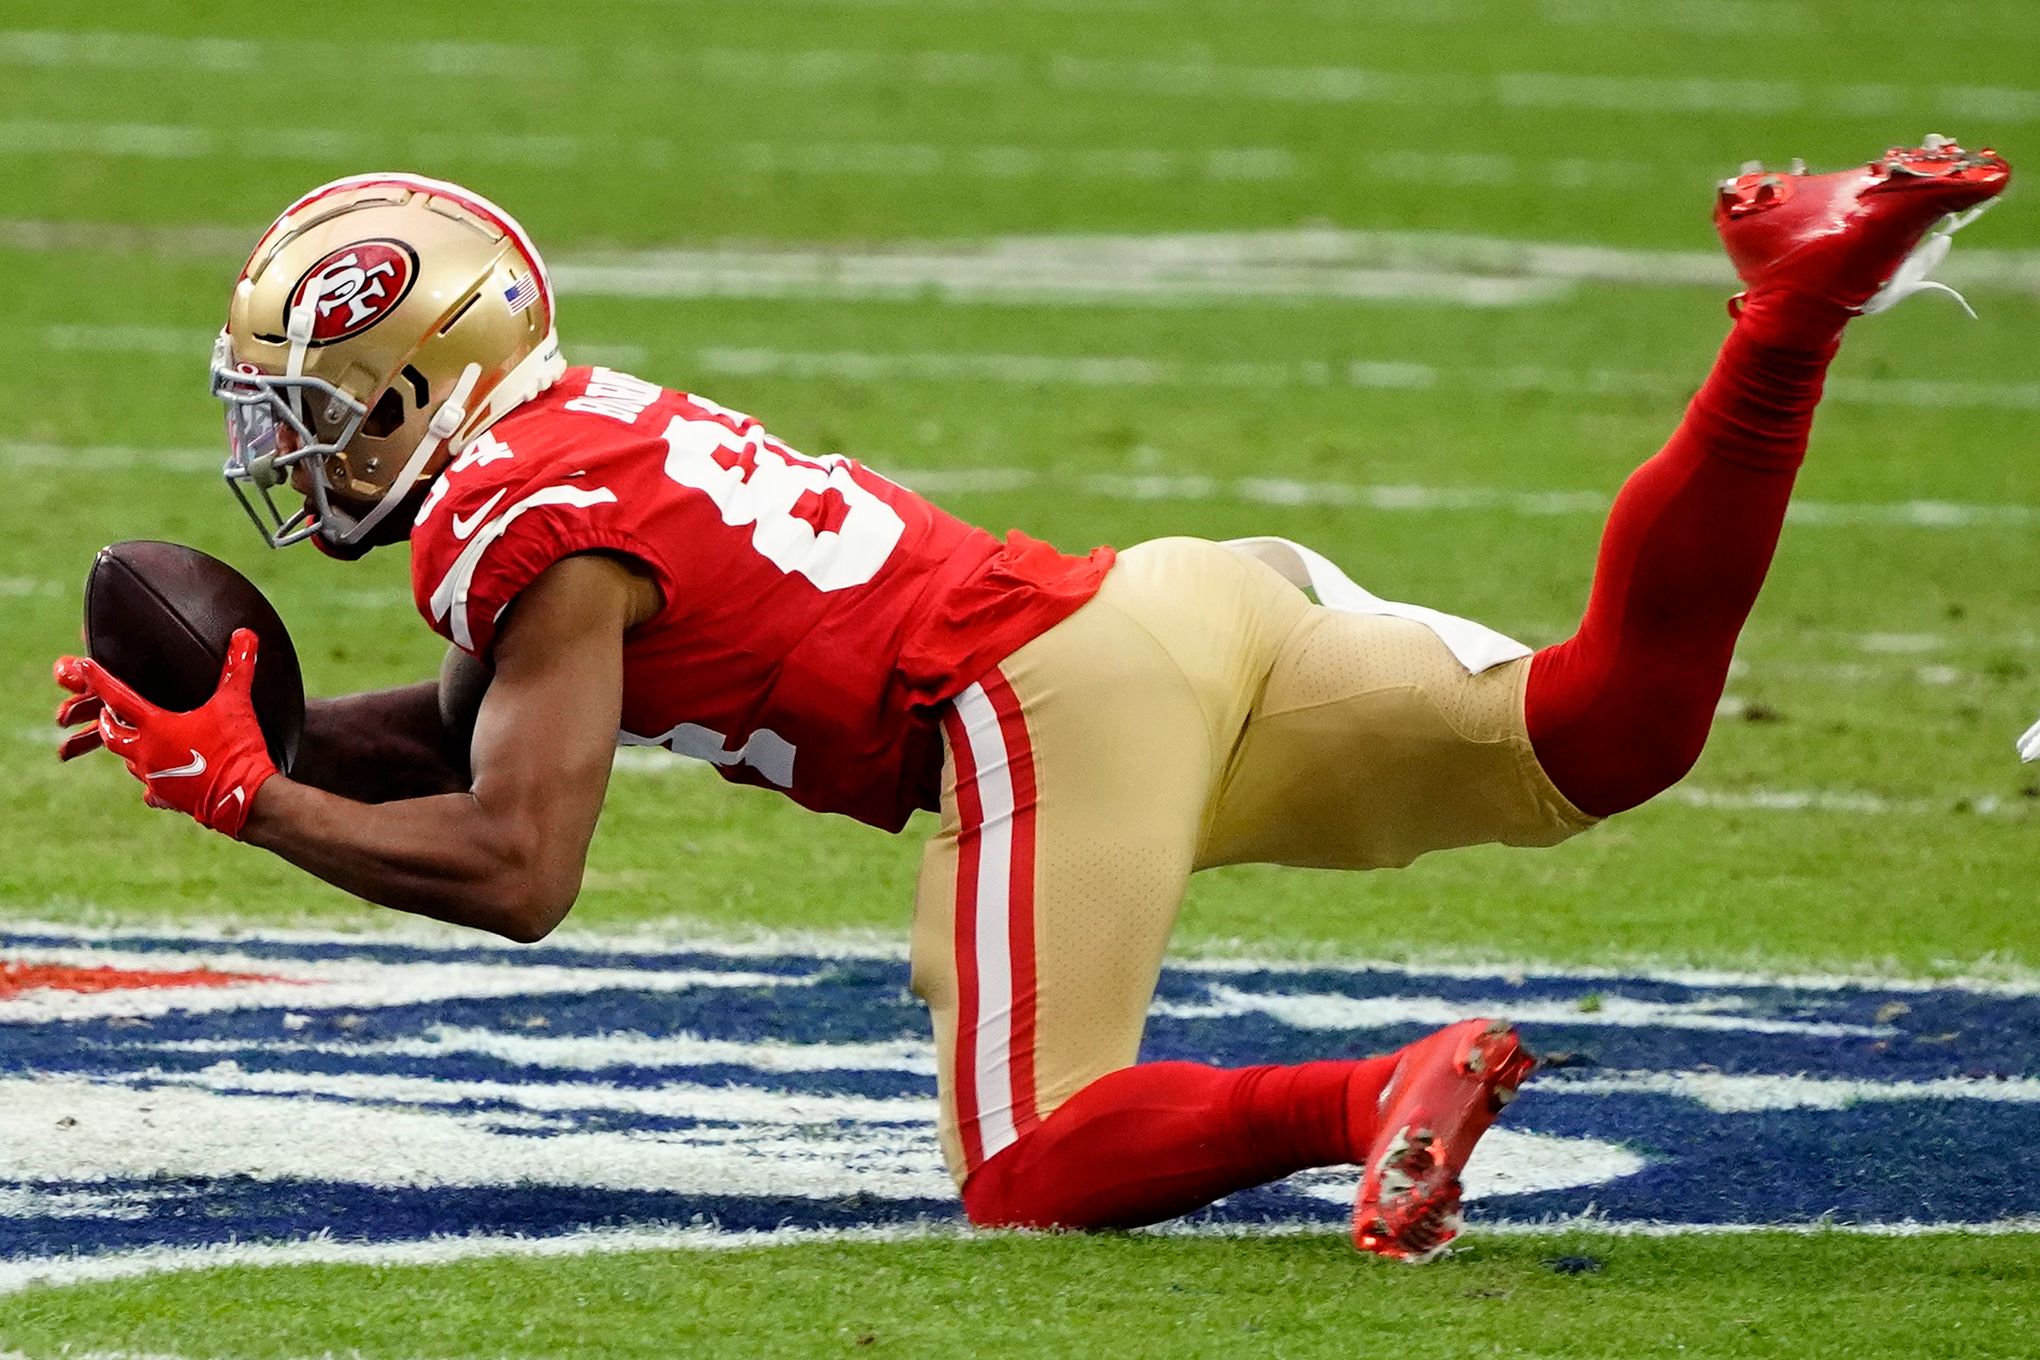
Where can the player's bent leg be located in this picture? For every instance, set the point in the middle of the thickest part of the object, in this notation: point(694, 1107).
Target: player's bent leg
point(1152, 1142)
point(1371, 744)
point(1619, 712)
point(1079, 777)
point(1075, 781)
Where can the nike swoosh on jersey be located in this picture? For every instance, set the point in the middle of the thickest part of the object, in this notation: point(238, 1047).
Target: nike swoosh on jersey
point(463, 529)
point(196, 766)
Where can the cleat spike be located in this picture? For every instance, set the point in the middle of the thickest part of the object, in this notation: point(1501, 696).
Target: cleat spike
point(1443, 1096)
point(1798, 165)
point(1751, 168)
point(1862, 239)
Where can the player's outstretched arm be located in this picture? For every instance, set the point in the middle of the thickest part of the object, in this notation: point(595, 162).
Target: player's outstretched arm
point(507, 854)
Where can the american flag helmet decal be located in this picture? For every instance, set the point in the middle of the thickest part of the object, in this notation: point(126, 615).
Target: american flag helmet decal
point(521, 293)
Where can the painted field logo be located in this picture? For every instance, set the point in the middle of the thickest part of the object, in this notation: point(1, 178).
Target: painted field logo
point(353, 287)
point(174, 1091)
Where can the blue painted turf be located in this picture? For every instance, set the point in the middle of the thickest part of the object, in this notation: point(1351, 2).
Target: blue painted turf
point(1879, 1161)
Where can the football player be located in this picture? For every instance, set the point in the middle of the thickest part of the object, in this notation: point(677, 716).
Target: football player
point(615, 561)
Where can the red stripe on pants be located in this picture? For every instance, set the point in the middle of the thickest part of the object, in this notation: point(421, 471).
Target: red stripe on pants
point(1020, 764)
point(970, 817)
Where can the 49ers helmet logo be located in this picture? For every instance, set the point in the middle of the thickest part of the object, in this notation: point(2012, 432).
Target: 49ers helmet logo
point(354, 287)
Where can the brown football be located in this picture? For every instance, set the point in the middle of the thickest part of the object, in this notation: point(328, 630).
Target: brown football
point(159, 617)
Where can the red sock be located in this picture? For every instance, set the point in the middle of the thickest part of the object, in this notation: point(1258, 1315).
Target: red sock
point(1151, 1142)
point(1618, 713)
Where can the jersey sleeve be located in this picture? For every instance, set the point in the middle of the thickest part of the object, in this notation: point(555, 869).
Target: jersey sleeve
point(513, 546)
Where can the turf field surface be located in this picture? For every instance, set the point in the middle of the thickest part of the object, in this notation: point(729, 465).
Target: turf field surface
point(1107, 271)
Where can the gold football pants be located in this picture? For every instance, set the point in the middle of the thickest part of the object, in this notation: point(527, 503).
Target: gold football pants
point(1199, 711)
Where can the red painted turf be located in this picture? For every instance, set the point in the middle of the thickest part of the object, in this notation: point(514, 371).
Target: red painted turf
point(16, 978)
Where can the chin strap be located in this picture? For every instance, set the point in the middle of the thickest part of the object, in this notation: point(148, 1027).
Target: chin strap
point(1926, 257)
point(298, 330)
point(445, 423)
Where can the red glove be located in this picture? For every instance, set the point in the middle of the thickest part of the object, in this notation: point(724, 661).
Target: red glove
point(208, 762)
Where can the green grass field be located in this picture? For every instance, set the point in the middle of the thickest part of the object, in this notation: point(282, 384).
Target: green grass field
point(1859, 808)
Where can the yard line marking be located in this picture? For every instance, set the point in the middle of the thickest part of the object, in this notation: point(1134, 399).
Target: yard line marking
point(193, 242)
point(1129, 371)
point(108, 457)
point(1281, 492)
point(1332, 1011)
point(1291, 492)
point(1994, 805)
point(583, 1053)
point(995, 277)
point(152, 141)
point(1695, 16)
point(407, 933)
point(1306, 262)
point(73, 52)
point(680, 1100)
point(147, 141)
point(1376, 375)
point(1853, 803)
point(1742, 1093)
point(21, 1274)
point(1115, 78)
point(1251, 164)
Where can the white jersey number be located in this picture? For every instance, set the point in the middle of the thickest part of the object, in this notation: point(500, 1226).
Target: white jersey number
point(808, 516)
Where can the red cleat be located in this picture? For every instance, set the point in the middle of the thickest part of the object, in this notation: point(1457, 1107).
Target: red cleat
point(1854, 237)
point(1446, 1091)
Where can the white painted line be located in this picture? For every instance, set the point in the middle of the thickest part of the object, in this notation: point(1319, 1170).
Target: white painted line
point(1279, 492)
point(1334, 1011)
point(101, 51)
point(1691, 16)
point(992, 162)
point(1843, 802)
point(584, 1053)
point(1308, 263)
point(17, 1275)
point(1288, 492)
point(993, 277)
point(1131, 371)
point(175, 142)
point(108, 457)
point(1733, 1093)
point(1094, 77)
point(2004, 1227)
point(1392, 375)
point(680, 1100)
point(1992, 805)
point(219, 942)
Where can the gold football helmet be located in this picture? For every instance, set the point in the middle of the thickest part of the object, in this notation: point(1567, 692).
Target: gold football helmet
point(382, 323)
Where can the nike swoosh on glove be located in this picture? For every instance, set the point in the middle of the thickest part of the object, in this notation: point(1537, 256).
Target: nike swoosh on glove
point(208, 763)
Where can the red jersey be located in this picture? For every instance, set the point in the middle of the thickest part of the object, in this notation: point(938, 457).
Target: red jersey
point(813, 613)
